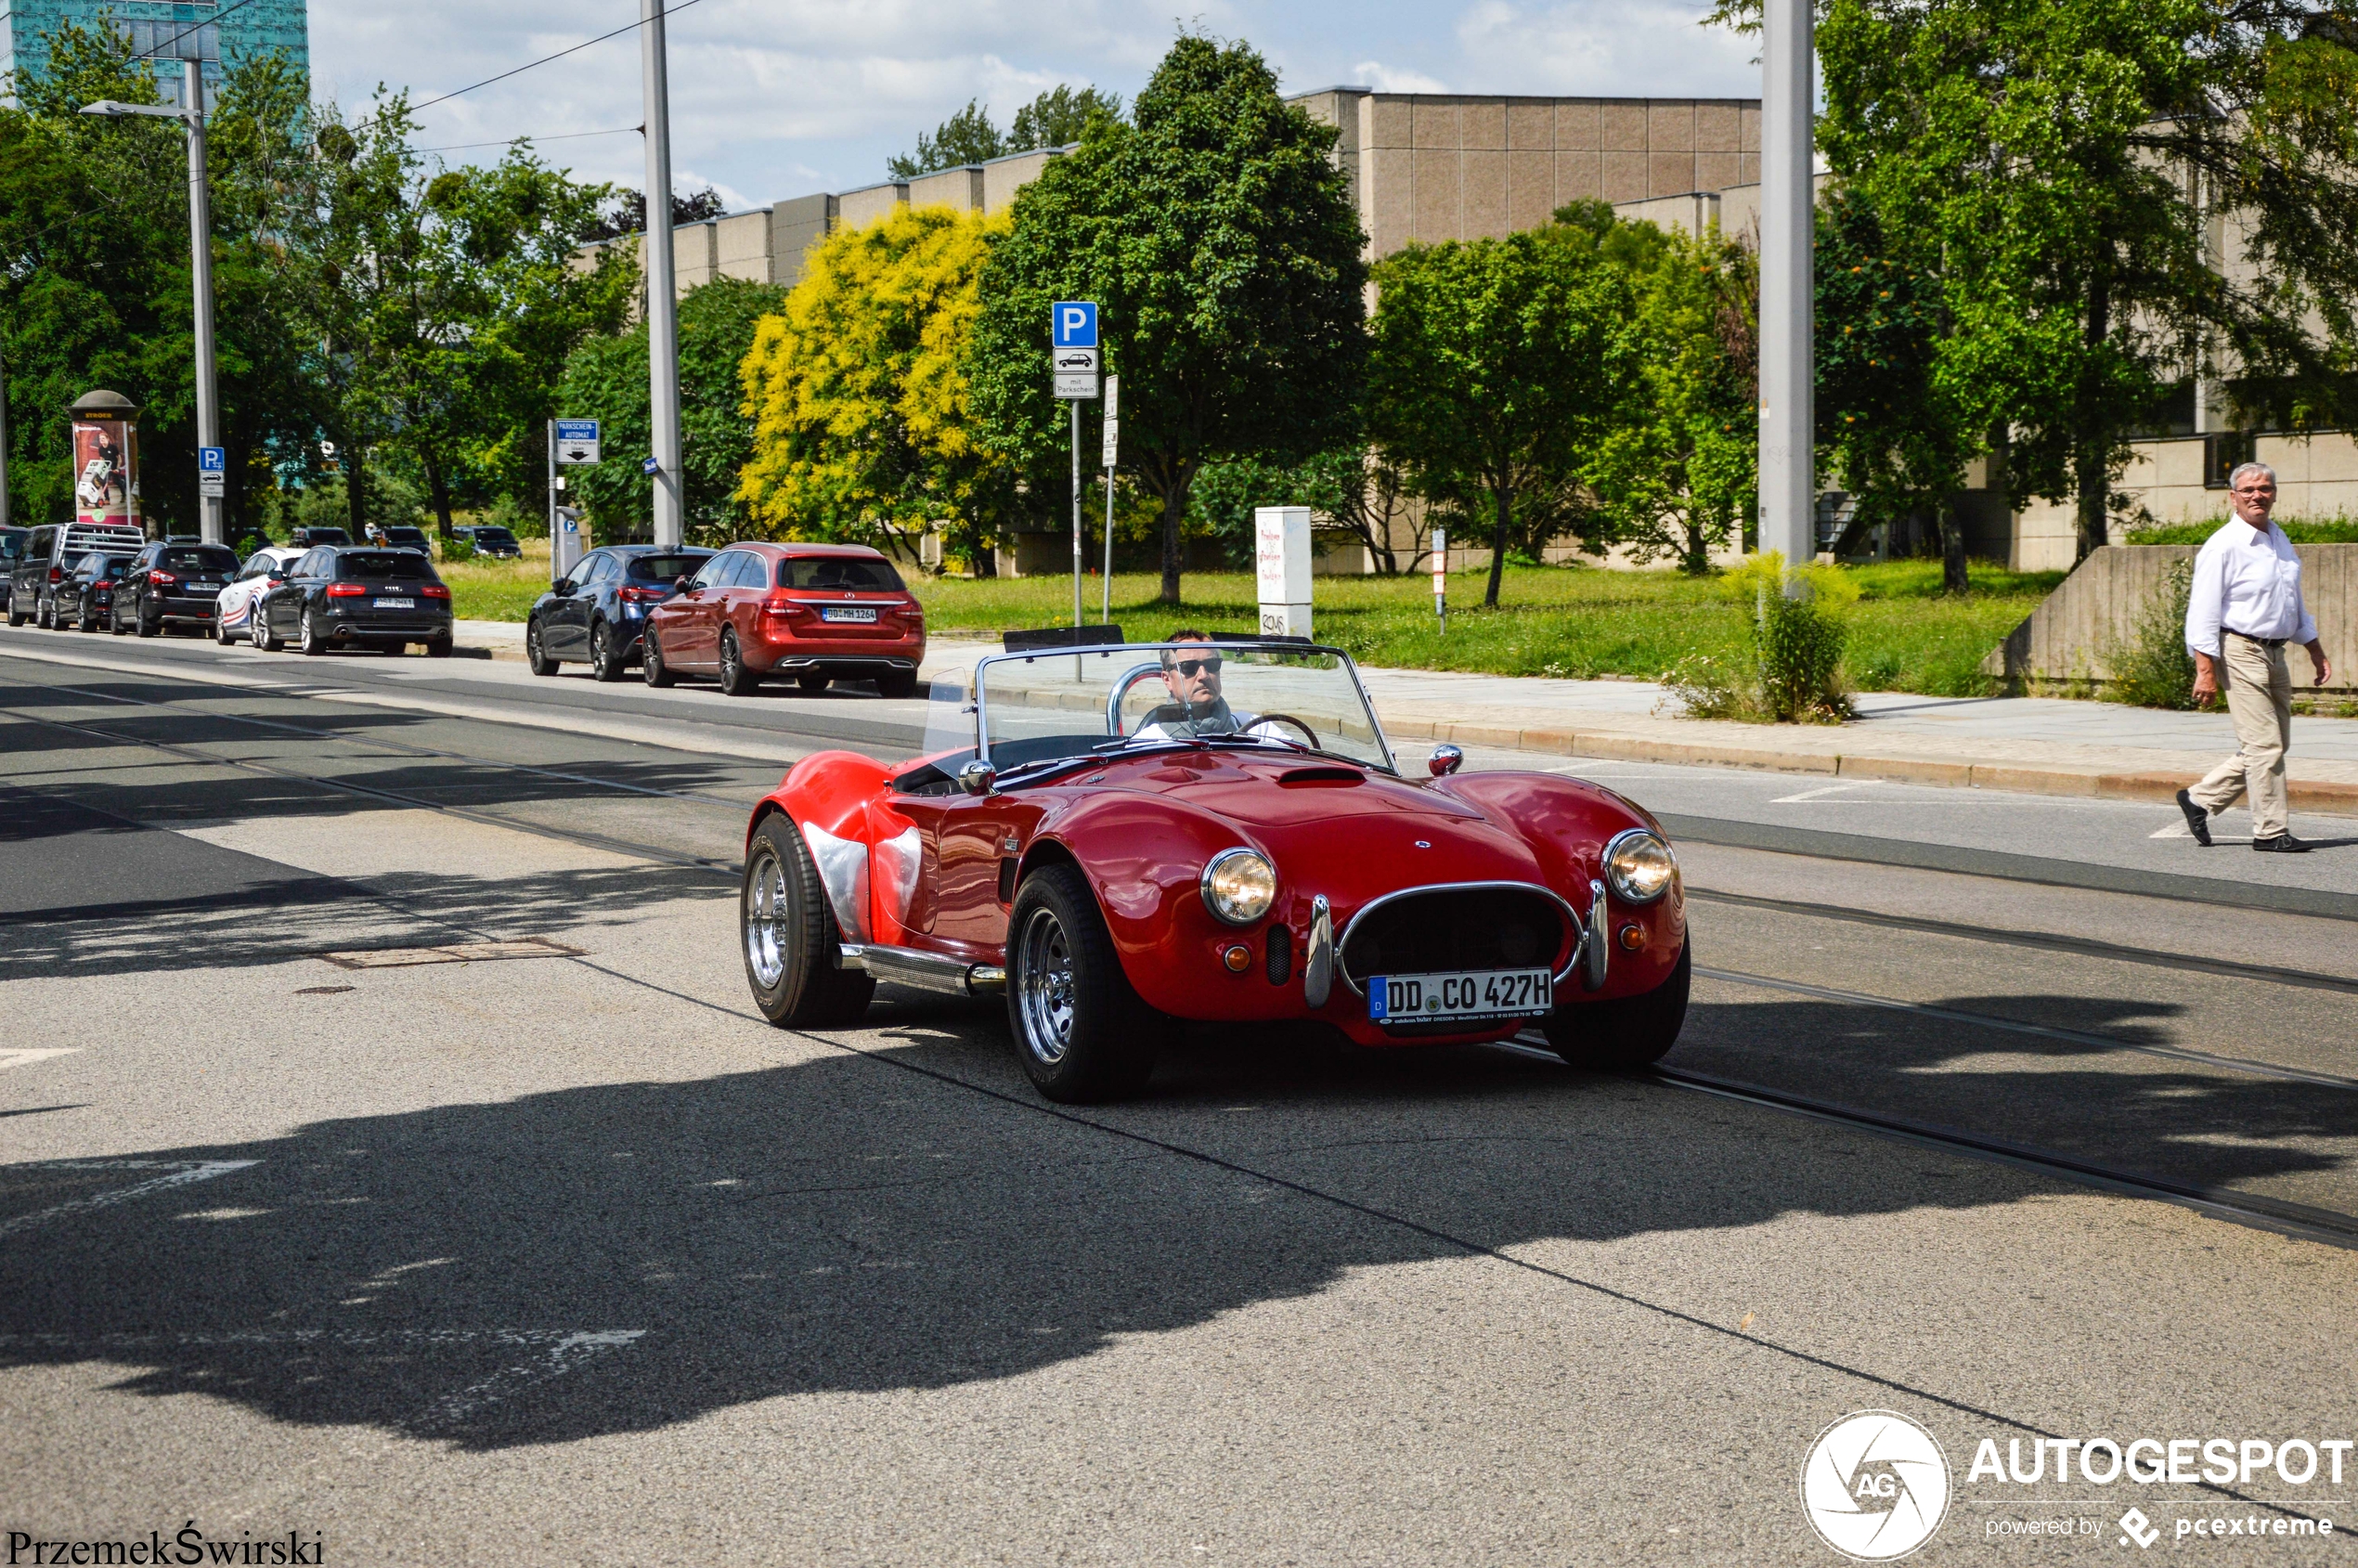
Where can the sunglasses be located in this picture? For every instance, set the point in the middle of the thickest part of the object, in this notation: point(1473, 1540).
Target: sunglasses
point(1189, 666)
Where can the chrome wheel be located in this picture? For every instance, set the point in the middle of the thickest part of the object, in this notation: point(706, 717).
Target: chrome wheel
point(765, 919)
point(1045, 964)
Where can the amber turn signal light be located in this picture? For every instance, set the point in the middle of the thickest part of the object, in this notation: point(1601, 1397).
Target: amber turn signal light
point(1633, 938)
point(1238, 957)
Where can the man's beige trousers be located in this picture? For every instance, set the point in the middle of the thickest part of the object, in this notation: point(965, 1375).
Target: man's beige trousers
point(2260, 701)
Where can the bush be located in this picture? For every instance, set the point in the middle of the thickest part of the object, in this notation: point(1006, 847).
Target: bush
point(2153, 668)
point(1792, 672)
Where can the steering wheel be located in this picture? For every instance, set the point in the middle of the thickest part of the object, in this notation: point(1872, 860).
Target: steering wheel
point(1309, 734)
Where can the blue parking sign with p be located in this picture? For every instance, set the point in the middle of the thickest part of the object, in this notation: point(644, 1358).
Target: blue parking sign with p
point(1074, 323)
point(212, 460)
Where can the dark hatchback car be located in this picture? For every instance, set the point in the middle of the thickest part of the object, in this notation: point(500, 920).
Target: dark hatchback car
point(490, 540)
point(173, 585)
point(90, 593)
point(597, 612)
point(348, 596)
point(303, 538)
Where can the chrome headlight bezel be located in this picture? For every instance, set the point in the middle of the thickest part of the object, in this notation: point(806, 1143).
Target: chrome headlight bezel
point(1617, 875)
point(1224, 908)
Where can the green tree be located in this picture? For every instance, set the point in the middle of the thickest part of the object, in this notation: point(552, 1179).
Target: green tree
point(1677, 470)
point(1218, 237)
point(1057, 118)
point(1497, 363)
point(607, 380)
point(1353, 491)
point(1060, 117)
point(2063, 167)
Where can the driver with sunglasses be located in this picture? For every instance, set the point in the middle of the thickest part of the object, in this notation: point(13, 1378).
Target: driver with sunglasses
point(1197, 708)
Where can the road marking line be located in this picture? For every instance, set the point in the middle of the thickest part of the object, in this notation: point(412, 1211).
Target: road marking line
point(26, 1056)
point(187, 1171)
point(1821, 794)
point(2182, 829)
point(454, 953)
point(561, 1358)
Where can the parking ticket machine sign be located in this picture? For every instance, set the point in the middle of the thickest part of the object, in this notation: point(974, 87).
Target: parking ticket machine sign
point(576, 441)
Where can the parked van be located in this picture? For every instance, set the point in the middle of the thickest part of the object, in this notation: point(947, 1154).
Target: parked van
point(50, 554)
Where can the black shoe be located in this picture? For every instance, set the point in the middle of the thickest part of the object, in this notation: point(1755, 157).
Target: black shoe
point(2197, 820)
point(2283, 844)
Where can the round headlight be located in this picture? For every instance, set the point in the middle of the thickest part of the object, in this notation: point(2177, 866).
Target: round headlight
point(1239, 885)
point(1640, 866)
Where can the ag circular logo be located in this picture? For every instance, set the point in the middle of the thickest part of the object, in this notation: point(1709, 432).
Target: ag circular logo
point(1875, 1485)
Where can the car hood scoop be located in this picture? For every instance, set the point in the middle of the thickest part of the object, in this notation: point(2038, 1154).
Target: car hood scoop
point(1299, 778)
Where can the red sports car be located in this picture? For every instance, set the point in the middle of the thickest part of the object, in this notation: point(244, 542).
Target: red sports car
point(1120, 838)
point(806, 613)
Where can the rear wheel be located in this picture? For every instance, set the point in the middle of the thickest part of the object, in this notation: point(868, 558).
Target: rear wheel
point(313, 641)
point(436, 647)
point(44, 615)
point(1081, 1033)
point(15, 616)
point(536, 650)
point(145, 627)
point(87, 619)
point(790, 939)
point(737, 678)
point(1627, 1032)
point(606, 662)
point(899, 683)
point(657, 673)
point(812, 684)
point(264, 643)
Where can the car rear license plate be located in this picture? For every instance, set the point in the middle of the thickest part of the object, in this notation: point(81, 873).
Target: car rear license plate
point(1478, 993)
point(394, 603)
point(862, 614)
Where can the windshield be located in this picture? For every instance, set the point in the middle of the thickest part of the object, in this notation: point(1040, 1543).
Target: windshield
point(1038, 709)
point(490, 535)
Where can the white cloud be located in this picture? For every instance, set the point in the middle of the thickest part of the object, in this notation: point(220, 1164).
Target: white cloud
point(1386, 79)
point(1618, 48)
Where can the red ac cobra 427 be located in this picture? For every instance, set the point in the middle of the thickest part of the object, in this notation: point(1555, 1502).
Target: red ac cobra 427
point(1120, 838)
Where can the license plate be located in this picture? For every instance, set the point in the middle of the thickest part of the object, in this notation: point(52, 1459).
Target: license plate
point(862, 614)
point(394, 603)
point(1477, 994)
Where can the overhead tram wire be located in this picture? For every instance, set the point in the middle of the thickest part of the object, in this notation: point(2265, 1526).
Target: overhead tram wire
point(511, 141)
point(574, 49)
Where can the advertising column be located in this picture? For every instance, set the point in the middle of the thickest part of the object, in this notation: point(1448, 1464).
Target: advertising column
point(1281, 562)
point(106, 459)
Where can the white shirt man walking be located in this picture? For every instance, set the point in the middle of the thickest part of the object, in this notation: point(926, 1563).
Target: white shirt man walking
point(2244, 608)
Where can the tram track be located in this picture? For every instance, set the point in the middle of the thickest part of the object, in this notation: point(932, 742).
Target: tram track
point(2331, 1226)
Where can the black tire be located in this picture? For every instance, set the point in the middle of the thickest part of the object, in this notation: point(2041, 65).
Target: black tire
point(87, 619)
point(313, 641)
point(788, 938)
point(1081, 1033)
point(45, 614)
point(536, 654)
point(436, 647)
point(221, 634)
point(258, 631)
point(606, 662)
point(1627, 1032)
point(737, 678)
point(657, 673)
point(143, 626)
point(900, 684)
point(114, 622)
point(812, 684)
point(15, 616)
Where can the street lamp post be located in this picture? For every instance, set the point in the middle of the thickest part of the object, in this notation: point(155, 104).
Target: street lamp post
point(656, 258)
point(1788, 481)
point(191, 115)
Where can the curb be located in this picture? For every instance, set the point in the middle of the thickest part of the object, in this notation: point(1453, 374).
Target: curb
point(2158, 787)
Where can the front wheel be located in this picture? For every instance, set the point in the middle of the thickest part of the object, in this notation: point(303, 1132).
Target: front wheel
point(536, 650)
point(1627, 1032)
point(790, 939)
point(258, 628)
point(1081, 1033)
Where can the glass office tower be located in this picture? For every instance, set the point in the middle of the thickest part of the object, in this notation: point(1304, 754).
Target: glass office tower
point(210, 31)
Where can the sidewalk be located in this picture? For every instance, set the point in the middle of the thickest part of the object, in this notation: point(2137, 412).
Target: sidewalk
point(2035, 745)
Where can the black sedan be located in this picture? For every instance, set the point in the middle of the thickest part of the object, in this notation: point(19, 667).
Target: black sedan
point(171, 585)
point(348, 596)
point(597, 612)
point(92, 591)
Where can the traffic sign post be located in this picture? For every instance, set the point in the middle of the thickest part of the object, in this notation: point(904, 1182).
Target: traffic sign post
point(1072, 364)
point(213, 473)
point(576, 441)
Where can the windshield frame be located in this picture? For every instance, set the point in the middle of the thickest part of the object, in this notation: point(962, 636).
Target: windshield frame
point(1131, 745)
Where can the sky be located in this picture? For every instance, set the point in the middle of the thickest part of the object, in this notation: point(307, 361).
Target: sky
point(778, 99)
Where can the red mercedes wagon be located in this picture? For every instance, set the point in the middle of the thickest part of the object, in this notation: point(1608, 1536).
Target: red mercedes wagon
point(807, 613)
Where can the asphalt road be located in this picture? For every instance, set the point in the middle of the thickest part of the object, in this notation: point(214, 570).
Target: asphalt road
point(560, 1253)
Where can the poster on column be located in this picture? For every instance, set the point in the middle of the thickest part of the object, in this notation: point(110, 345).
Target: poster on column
point(106, 472)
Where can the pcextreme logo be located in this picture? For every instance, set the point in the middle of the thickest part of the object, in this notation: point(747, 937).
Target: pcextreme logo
point(1875, 1485)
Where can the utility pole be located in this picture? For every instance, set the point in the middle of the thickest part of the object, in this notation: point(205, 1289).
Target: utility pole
point(1788, 482)
point(663, 303)
point(4, 445)
point(191, 116)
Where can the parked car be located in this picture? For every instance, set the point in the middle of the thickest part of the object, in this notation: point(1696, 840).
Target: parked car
point(171, 585)
point(51, 552)
point(490, 540)
point(303, 538)
point(233, 606)
point(401, 536)
point(808, 613)
point(88, 593)
point(12, 542)
point(1119, 838)
point(597, 612)
point(349, 596)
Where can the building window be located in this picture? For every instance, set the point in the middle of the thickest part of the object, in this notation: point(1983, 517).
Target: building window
point(2222, 454)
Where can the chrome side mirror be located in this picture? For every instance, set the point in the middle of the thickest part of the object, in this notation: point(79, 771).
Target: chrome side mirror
point(978, 777)
point(1446, 760)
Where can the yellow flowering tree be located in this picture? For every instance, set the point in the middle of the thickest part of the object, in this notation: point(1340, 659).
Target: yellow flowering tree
point(858, 390)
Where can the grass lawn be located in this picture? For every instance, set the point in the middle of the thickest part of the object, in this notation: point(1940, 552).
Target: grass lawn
point(497, 591)
point(1567, 621)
